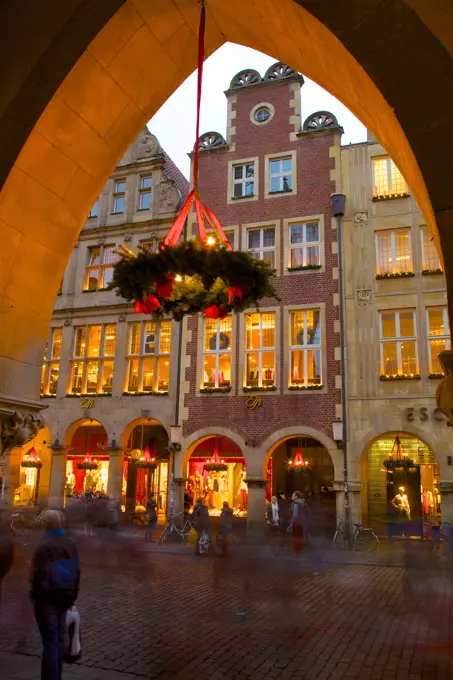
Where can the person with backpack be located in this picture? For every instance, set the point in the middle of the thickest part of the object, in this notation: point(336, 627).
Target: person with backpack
point(201, 525)
point(225, 535)
point(54, 589)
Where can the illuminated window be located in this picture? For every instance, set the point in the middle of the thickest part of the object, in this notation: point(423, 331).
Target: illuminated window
point(261, 244)
point(398, 343)
point(119, 197)
point(260, 349)
point(95, 209)
point(429, 253)
point(393, 252)
point(144, 202)
point(148, 365)
point(304, 245)
point(243, 180)
point(51, 363)
point(438, 336)
point(217, 338)
point(93, 359)
point(280, 175)
point(305, 349)
point(99, 270)
point(387, 179)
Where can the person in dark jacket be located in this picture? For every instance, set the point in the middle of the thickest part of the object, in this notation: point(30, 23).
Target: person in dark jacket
point(151, 516)
point(300, 514)
point(6, 549)
point(201, 521)
point(54, 589)
point(225, 528)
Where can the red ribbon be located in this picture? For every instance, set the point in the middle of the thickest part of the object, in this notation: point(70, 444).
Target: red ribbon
point(164, 286)
point(235, 292)
point(148, 306)
point(215, 312)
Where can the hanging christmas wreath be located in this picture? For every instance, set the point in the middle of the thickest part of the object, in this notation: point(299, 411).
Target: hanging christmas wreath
point(147, 465)
point(215, 467)
point(31, 460)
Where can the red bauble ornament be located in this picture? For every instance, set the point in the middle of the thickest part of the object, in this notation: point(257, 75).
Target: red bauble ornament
point(236, 291)
point(148, 306)
point(215, 312)
point(164, 286)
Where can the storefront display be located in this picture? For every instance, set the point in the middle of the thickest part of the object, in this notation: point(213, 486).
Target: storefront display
point(27, 492)
point(82, 480)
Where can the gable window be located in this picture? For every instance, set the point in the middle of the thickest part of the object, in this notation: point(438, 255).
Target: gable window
point(387, 179)
point(393, 252)
point(99, 270)
point(217, 338)
point(304, 246)
point(243, 180)
point(92, 360)
point(119, 197)
point(146, 184)
point(148, 367)
point(51, 363)
point(430, 258)
point(305, 360)
point(95, 209)
point(260, 349)
point(438, 336)
point(280, 175)
point(261, 244)
point(398, 343)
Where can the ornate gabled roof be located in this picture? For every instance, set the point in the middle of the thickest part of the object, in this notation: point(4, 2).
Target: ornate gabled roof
point(249, 76)
point(211, 140)
point(320, 120)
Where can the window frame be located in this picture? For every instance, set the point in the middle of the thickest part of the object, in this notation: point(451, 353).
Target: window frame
point(398, 339)
point(119, 194)
point(276, 156)
point(92, 215)
point(102, 357)
point(305, 347)
point(395, 272)
point(305, 245)
point(424, 229)
point(281, 175)
point(262, 248)
point(217, 352)
point(243, 181)
point(230, 185)
point(260, 351)
point(101, 267)
point(142, 355)
point(445, 336)
point(144, 191)
point(389, 191)
point(50, 361)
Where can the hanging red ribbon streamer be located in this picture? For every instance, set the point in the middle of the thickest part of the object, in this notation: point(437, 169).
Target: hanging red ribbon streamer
point(204, 214)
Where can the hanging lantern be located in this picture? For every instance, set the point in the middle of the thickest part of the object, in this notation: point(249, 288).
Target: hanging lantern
point(193, 276)
point(214, 464)
point(148, 460)
point(87, 463)
point(31, 460)
point(397, 457)
point(298, 464)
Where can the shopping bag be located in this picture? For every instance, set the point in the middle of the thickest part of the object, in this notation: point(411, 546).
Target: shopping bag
point(73, 642)
point(192, 537)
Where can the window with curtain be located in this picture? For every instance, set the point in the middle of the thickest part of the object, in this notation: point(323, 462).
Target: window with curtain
point(148, 364)
point(93, 359)
point(51, 363)
point(438, 336)
point(387, 179)
point(304, 245)
point(261, 244)
point(393, 252)
point(260, 349)
point(99, 269)
point(305, 350)
point(216, 357)
point(430, 258)
point(398, 343)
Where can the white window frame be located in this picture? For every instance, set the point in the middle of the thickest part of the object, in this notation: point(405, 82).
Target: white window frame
point(94, 212)
point(216, 352)
point(243, 181)
point(51, 360)
point(260, 349)
point(101, 359)
point(262, 249)
point(390, 190)
point(394, 265)
point(141, 355)
point(398, 339)
point(304, 245)
point(445, 336)
point(425, 230)
point(281, 174)
point(101, 267)
point(305, 347)
point(119, 194)
point(144, 191)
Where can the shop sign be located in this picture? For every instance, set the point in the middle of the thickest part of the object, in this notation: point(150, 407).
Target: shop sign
point(254, 402)
point(423, 414)
point(86, 403)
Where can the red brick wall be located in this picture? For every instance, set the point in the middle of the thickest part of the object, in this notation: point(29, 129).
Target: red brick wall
point(314, 187)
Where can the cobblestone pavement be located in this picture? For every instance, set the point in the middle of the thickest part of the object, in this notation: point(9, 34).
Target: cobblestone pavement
point(151, 615)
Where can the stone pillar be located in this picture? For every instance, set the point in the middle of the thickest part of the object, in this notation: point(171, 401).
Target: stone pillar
point(256, 524)
point(355, 502)
point(57, 477)
point(10, 477)
point(180, 483)
point(115, 478)
point(446, 493)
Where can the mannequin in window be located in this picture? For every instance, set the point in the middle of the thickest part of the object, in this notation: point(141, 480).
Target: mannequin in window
point(224, 486)
point(401, 503)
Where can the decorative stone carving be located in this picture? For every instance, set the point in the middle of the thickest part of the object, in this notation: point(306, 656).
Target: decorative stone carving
point(127, 238)
point(255, 482)
point(360, 217)
point(68, 322)
point(279, 70)
point(169, 196)
point(21, 428)
point(321, 120)
point(211, 140)
point(76, 245)
point(101, 241)
point(364, 295)
point(244, 78)
point(122, 318)
point(148, 145)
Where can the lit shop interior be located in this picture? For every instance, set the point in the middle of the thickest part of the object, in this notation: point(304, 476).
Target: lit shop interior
point(400, 486)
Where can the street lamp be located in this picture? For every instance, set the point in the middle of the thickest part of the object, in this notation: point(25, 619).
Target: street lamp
point(175, 435)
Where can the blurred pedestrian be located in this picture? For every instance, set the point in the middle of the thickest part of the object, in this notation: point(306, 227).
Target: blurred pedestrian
point(6, 548)
point(54, 589)
point(201, 526)
point(225, 534)
point(283, 516)
point(151, 516)
point(273, 518)
point(299, 521)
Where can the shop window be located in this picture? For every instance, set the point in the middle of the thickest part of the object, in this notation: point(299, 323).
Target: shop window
point(144, 201)
point(280, 175)
point(305, 348)
point(93, 359)
point(148, 367)
point(430, 258)
point(51, 363)
point(99, 270)
point(119, 197)
point(260, 350)
point(398, 344)
point(94, 210)
point(438, 336)
point(243, 180)
point(387, 179)
point(217, 340)
point(304, 246)
point(393, 252)
point(261, 244)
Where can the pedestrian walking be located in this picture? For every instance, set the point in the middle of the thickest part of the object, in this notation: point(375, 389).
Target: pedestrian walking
point(273, 518)
point(201, 526)
point(54, 589)
point(6, 549)
point(283, 516)
point(299, 521)
point(151, 516)
point(225, 534)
